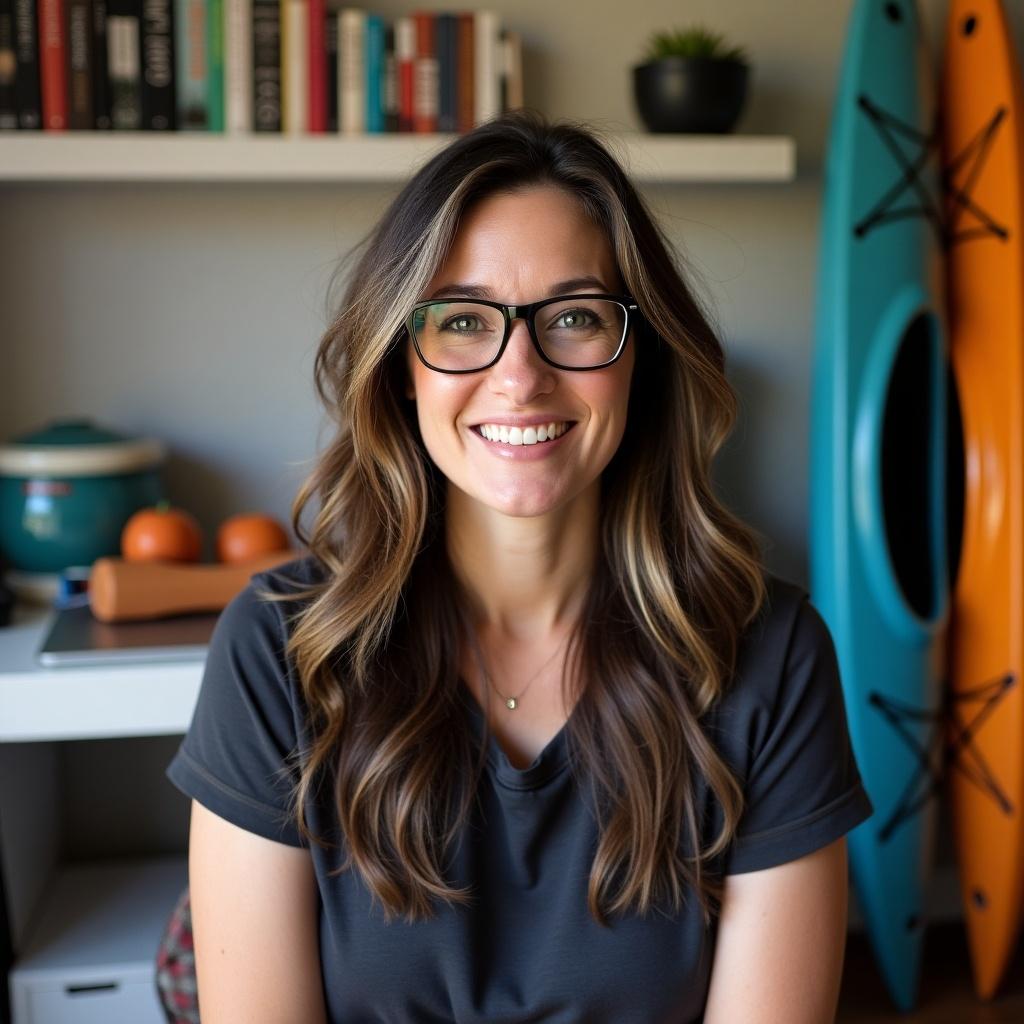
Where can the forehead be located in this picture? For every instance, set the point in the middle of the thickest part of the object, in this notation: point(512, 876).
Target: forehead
point(527, 239)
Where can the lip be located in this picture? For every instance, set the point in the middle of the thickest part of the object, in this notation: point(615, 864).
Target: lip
point(523, 421)
point(524, 452)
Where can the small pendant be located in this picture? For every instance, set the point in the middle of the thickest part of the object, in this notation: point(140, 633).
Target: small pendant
point(510, 703)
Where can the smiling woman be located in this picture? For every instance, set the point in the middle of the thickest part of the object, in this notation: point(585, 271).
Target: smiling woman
point(530, 734)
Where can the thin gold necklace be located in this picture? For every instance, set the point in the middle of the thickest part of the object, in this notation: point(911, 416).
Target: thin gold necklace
point(510, 702)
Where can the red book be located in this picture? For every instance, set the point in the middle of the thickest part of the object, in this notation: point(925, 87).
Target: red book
point(425, 75)
point(317, 66)
point(53, 78)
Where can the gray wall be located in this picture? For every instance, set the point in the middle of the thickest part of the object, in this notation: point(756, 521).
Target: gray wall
point(192, 313)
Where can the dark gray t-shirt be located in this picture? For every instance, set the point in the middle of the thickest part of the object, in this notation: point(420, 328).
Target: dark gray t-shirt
point(528, 949)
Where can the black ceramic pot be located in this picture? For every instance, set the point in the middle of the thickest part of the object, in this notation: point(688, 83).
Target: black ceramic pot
point(690, 94)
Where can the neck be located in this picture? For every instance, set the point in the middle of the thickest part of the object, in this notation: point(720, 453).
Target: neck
point(526, 578)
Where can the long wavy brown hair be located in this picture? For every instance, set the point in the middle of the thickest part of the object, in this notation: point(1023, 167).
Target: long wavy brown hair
point(376, 645)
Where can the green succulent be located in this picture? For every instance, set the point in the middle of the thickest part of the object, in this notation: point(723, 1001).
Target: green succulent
point(697, 41)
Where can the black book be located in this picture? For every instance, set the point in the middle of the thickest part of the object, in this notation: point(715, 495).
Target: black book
point(27, 94)
point(156, 38)
point(331, 46)
point(79, 58)
point(447, 27)
point(100, 74)
point(266, 65)
point(8, 67)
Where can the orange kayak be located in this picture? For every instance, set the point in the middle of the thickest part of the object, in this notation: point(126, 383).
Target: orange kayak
point(983, 157)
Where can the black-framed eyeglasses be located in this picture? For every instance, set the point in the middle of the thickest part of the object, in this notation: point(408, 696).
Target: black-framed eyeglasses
point(570, 332)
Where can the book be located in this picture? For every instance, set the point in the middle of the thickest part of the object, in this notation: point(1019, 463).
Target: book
point(53, 64)
point(425, 77)
point(352, 71)
point(27, 85)
point(190, 65)
point(512, 70)
point(266, 72)
point(446, 26)
point(123, 64)
point(80, 46)
point(215, 65)
point(405, 59)
point(156, 35)
point(465, 83)
point(374, 58)
point(8, 67)
point(487, 68)
point(294, 66)
point(317, 60)
point(390, 81)
point(237, 66)
point(100, 68)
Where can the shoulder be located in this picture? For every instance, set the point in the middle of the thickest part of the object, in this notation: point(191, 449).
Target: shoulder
point(785, 656)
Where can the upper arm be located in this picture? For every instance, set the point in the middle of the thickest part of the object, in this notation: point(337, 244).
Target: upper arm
point(781, 938)
point(255, 915)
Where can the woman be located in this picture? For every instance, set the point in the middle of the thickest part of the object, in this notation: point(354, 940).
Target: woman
point(530, 734)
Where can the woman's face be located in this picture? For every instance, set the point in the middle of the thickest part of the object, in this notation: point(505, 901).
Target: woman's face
point(522, 248)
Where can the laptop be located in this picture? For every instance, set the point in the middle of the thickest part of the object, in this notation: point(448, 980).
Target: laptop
point(77, 637)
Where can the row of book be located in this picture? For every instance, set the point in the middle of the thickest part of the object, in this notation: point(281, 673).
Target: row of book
point(240, 66)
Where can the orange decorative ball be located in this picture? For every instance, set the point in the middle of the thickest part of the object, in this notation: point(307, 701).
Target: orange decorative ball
point(161, 534)
point(249, 535)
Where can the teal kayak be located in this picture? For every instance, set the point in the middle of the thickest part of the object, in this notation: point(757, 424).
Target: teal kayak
point(877, 477)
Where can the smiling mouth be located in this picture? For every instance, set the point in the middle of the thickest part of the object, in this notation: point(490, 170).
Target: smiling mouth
point(502, 434)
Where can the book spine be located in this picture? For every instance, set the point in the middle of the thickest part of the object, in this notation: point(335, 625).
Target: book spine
point(79, 29)
point(425, 78)
point(464, 74)
point(100, 67)
point(238, 66)
point(331, 50)
point(215, 65)
point(190, 64)
point(27, 87)
point(447, 57)
point(123, 63)
point(294, 66)
point(512, 83)
point(390, 81)
point(266, 72)
point(405, 61)
point(374, 73)
point(53, 64)
point(488, 67)
point(317, 61)
point(351, 56)
point(8, 67)
point(158, 65)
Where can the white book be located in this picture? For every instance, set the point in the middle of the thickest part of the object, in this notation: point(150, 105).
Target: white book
point(351, 71)
point(237, 66)
point(295, 66)
point(488, 65)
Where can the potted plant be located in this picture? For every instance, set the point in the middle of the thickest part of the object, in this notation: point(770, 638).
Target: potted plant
point(691, 81)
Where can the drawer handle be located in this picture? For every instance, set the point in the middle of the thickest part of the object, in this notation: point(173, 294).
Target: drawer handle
point(81, 990)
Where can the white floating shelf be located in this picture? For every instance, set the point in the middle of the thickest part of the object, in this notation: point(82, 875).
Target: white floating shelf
point(95, 702)
point(175, 157)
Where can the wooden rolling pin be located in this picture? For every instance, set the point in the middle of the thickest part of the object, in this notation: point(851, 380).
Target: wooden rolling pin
point(121, 591)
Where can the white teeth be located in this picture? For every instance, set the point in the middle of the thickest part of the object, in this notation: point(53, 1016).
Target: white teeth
point(522, 435)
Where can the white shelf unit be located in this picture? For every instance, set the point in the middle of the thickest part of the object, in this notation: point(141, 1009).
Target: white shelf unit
point(194, 157)
point(41, 707)
point(39, 704)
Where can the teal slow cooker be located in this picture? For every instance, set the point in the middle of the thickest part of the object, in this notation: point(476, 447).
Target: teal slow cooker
point(67, 490)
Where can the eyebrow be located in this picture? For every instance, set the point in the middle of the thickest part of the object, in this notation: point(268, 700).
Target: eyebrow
point(479, 291)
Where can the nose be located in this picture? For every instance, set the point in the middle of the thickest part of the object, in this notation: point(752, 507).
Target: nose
point(520, 374)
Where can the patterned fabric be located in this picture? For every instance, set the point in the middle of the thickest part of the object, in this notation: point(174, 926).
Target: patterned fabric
point(176, 966)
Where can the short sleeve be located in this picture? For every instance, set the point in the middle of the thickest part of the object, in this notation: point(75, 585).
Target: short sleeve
point(803, 789)
point(234, 759)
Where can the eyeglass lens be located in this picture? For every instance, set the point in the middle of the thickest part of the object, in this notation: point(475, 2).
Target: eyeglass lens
point(457, 335)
